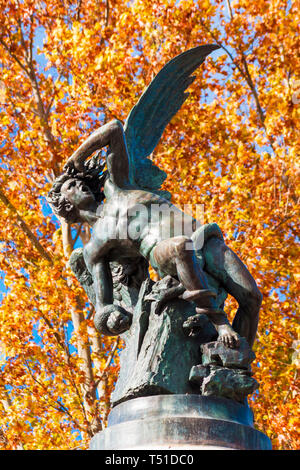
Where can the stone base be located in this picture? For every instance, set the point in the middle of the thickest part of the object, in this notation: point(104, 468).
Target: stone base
point(178, 422)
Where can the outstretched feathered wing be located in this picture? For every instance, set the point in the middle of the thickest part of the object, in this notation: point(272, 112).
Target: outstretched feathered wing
point(148, 118)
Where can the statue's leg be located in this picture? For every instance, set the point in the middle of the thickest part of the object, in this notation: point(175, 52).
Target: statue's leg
point(176, 256)
point(223, 264)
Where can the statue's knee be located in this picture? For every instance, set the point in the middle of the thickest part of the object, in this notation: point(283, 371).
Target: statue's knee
point(116, 126)
point(182, 246)
point(215, 245)
point(214, 251)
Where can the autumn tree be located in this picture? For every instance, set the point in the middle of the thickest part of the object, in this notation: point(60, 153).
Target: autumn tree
point(66, 68)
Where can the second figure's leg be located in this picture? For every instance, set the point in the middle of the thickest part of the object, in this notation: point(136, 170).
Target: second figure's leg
point(223, 264)
point(176, 257)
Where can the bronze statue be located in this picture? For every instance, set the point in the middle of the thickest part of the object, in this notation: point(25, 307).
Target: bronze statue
point(121, 199)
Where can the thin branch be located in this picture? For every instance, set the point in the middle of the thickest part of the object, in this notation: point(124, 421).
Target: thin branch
point(25, 228)
point(7, 403)
point(248, 76)
point(31, 39)
point(106, 19)
point(107, 364)
point(72, 380)
point(253, 89)
point(245, 73)
point(58, 406)
point(59, 340)
point(79, 4)
point(6, 47)
point(222, 46)
point(23, 41)
point(289, 389)
point(285, 219)
point(229, 8)
point(48, 108)
point(106, 13)
point(31, 74)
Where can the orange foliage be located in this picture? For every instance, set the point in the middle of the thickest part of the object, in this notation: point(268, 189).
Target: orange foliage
point(66, 67)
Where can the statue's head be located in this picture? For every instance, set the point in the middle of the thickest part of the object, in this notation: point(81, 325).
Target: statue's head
point(73, 191)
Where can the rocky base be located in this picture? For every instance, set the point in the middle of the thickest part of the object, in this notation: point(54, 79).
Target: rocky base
point(225, 372)
point(158, 355)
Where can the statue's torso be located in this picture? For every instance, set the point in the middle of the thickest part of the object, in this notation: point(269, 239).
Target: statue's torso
point(127, 230)
point(133, 221)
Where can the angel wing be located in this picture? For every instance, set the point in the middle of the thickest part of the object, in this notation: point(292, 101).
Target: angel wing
point(148, 118)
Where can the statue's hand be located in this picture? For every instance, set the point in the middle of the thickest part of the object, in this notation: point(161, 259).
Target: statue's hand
point(72, 167)
point(112, 320)
point(119, 320)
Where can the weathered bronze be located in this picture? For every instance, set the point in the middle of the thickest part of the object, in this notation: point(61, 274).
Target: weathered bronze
point(134, 223)
point(180, 422)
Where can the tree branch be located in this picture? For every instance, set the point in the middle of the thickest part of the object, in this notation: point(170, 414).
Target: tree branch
point(245, 73)
point(106, 13)
point(253, 89)
point(41, 112)
point(285, 219)
point(78, 10)
point(106, 19)
point(47, 112)
point(107, 364)
point(229, 8)
point(58, 406)
point(7, 403)
point(25, 228)
point(13, 56)
point(76, 313)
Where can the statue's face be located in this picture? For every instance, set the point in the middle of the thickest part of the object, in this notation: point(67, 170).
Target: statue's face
point(78, 193)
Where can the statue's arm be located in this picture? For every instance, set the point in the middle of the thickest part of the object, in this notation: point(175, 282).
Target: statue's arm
point(110, 319)
point(110, 134)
